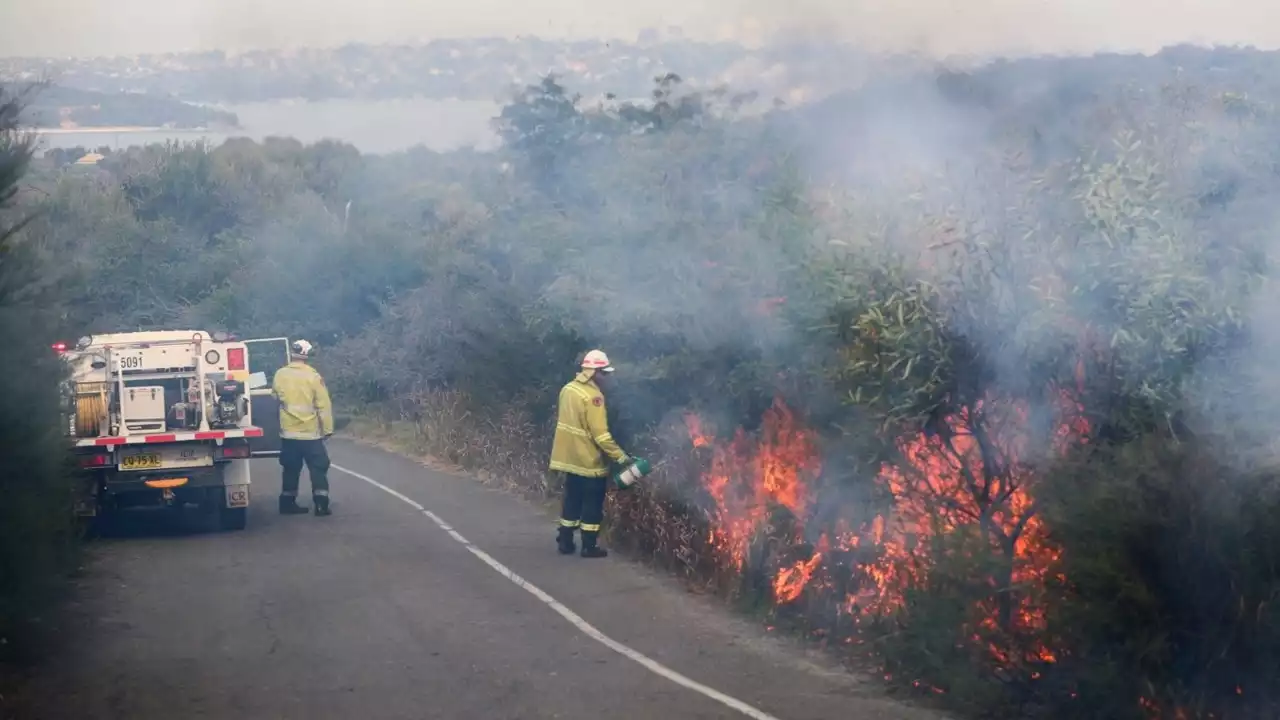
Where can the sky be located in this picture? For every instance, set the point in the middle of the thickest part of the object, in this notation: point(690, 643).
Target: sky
point(937, 27)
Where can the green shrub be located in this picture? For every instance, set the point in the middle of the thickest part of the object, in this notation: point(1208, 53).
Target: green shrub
point(37, 534)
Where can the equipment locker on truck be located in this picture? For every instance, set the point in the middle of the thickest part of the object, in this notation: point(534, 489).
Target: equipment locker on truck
point(165, 420)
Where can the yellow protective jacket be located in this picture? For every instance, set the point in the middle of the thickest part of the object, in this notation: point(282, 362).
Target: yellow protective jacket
point(305, 410)
point(582, 431)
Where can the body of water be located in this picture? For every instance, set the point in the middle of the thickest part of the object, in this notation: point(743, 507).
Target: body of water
point(372, 126)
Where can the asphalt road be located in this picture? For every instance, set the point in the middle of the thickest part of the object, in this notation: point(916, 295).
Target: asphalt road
point(379, 613)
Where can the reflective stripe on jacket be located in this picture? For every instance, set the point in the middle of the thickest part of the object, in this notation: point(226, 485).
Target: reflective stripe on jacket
point(305, 410)
point(582, 431)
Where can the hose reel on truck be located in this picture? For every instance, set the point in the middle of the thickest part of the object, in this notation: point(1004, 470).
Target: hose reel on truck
point(90, 408)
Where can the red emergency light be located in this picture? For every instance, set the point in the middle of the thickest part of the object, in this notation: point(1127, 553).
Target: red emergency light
point(60, 347)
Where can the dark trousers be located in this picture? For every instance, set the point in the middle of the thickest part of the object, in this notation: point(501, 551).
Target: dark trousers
point(583, 505)
point(293, 455)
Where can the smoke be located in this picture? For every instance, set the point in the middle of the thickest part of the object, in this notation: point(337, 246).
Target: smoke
point(1014, 27)
point(933, 27)
point(1006, 155)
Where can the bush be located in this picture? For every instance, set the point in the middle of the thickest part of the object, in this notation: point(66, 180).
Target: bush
point(37, 535)
point(1183, 548)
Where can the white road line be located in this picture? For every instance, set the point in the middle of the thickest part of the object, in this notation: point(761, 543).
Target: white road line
point(587, 628)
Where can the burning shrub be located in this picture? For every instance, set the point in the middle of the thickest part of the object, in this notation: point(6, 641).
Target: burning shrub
point(958, 523)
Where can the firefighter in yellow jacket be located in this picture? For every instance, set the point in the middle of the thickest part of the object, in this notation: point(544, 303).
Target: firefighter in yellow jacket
point(306, 421)
point(582, 445)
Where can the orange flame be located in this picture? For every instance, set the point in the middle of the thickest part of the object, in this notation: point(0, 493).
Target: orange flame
point(792, 581)
point(970, 475)
point(747, 481)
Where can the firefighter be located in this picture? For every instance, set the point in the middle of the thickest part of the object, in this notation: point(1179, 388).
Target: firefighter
point(306, 421)
point(581, 450)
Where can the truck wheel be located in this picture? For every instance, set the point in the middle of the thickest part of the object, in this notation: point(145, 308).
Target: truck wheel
point(233, 518)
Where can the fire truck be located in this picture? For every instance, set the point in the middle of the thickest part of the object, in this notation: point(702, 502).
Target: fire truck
point(169, 420)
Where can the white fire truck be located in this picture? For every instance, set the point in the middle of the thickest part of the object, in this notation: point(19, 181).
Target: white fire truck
point(170, 419)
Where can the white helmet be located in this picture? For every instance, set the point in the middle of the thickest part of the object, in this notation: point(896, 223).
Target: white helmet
point(597, 360)
point(301, 348)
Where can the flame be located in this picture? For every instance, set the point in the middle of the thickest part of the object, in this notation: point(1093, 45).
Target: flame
point(747, 481)
point(792, 581)
point(970, 473)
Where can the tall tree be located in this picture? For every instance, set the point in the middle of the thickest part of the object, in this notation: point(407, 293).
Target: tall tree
point(35, 520)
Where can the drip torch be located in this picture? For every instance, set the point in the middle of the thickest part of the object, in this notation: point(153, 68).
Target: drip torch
point(639, 467)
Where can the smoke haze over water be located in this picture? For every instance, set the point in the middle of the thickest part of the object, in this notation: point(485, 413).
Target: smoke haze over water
point(942, 27)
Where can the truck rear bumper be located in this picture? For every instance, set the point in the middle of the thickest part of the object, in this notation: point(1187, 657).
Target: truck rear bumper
point(225, 484)
point(118, 483)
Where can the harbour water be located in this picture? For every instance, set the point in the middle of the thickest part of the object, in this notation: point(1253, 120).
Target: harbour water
point(372, 126)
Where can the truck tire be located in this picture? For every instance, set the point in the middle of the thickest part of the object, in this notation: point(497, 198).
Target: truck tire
point(217, 517)
point(233, 518)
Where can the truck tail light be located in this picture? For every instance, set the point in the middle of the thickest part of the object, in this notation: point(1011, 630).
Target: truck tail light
point(235, 359)
point(94, 461)
point(230, 452)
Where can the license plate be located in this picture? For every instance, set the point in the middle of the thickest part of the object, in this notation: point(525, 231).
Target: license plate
point(140, 461)
point(175, 456)
point(237, 496)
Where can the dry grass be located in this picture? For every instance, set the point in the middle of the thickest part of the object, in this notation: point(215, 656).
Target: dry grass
point(507, 451)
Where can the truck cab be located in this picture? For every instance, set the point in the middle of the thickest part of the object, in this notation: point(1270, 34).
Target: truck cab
point(169, 420)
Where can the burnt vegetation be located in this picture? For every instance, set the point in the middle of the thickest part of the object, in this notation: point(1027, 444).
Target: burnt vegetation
point(968, 374)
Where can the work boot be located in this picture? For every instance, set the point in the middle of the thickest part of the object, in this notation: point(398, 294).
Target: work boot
point(564, 541)
point(289, 506)
point(589, 547)
point(322, 505)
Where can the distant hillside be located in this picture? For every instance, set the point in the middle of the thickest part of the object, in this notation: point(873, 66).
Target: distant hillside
point(461, 68)
point(59, 106)
point(487, 68)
